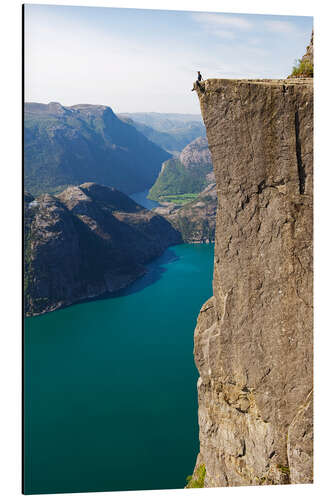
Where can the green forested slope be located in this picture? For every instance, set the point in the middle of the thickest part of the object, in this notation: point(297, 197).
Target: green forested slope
point(189, 174)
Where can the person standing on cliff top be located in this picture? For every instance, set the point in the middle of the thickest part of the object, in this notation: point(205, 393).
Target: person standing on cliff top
point(199, 78)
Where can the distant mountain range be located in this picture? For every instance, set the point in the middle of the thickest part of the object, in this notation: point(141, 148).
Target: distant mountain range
point(171, 131)
point(86, 241)
point(164, 122)
point(85, 143)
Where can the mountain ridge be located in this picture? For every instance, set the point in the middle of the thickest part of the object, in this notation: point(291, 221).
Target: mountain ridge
point(170, 131)
point(69, 145)
point(87, 241)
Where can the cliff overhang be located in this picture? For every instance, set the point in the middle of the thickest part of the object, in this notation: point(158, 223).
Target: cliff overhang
point(253, 340)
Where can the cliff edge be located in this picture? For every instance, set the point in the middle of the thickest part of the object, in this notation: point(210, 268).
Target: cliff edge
point(253, 340)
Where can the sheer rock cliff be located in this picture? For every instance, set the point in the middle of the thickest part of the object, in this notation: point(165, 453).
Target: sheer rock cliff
point(253, 340)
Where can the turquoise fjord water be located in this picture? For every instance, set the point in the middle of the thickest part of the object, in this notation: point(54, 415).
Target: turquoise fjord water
point(110, 384)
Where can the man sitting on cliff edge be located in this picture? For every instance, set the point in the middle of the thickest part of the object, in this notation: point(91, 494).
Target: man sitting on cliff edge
point(198, 81)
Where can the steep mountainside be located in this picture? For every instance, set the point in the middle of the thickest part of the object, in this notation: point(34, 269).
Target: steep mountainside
point(171, 131)
point(191, 173)
point(253, 340)
point(196, 154)
point(86, 241)
point(194, 220)
point(70, 145)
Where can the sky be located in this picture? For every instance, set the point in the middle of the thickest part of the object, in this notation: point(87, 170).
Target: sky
point(137, 60)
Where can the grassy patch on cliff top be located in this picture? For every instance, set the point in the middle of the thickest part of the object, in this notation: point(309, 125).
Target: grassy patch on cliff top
point(302, 68)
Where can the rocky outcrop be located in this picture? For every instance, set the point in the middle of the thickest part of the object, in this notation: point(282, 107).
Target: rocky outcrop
point(87, 241)
point(196, 153)
point(308, 56)
point(253, 340)
point(304, 67)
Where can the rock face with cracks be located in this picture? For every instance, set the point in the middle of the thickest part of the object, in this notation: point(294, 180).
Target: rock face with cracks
point(253, 340)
